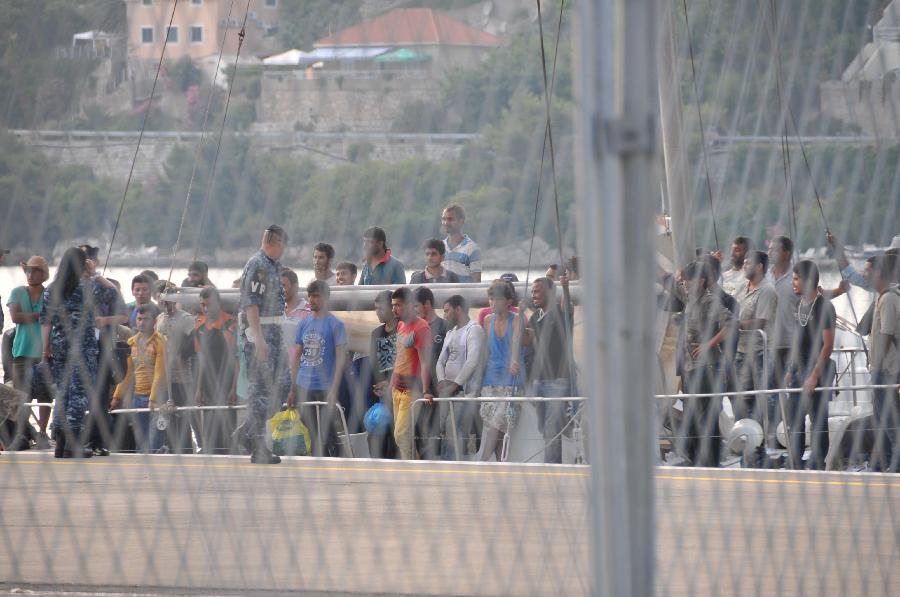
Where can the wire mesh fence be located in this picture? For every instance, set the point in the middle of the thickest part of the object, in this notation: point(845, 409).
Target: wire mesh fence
point(263, 430)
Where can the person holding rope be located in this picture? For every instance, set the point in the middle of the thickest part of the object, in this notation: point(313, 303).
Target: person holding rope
point(550, 332)
point(262, 307)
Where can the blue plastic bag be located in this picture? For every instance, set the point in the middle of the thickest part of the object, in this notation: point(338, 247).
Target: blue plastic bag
point(378, 419)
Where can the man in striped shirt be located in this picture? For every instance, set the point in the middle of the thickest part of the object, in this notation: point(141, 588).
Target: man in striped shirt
point(463, 256)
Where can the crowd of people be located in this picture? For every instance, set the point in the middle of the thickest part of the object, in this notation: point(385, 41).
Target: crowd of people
point(118, 372)
point(760, 322)
point(765, 322)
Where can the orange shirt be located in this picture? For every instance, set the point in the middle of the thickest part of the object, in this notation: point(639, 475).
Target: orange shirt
point(410, 338)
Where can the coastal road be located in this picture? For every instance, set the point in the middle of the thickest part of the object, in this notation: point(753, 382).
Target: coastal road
point(219, 525)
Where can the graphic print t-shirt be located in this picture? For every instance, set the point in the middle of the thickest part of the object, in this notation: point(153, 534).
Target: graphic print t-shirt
point(320, 339)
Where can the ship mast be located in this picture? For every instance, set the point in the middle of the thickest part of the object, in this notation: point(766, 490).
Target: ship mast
point(678, 190)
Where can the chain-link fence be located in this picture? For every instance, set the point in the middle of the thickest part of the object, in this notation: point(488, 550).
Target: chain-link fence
point(521, 421)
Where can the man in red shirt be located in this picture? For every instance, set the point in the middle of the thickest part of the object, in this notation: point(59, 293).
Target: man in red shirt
point(412, 367)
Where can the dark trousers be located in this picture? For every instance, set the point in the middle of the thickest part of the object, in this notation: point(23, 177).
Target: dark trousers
point(218, 428)
point(428, 429)
point(886, 423)
point(382, 445)
point(814, 404)
point(699, 439)
point(99, 421)
point(323, 422)
point(181, 423)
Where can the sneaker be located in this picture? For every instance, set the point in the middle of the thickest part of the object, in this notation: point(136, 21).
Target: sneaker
point(162, 450)
point(43, 442)
point(19, 443)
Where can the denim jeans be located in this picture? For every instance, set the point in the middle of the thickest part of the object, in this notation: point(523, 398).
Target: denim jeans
point(552, 415)
point(467, 420)
point(140, 423)
point(886, 418)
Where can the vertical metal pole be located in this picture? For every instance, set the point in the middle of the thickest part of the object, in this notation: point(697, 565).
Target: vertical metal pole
point(674, 150)
point(617, 186)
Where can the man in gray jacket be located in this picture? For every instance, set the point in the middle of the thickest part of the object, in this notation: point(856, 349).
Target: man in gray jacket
point(459, 368)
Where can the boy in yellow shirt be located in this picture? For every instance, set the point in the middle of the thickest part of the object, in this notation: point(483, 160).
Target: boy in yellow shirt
point(145, 379)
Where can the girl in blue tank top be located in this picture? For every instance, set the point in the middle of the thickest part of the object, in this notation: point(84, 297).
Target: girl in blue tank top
point(505, 371)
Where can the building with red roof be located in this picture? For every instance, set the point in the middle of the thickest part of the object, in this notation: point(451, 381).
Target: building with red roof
point(365, 77)
point(420, 31)
point(411, 27)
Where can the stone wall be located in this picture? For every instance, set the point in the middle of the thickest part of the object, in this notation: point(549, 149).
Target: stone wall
point(340, 102)
point(873, 106)
point(110, 154)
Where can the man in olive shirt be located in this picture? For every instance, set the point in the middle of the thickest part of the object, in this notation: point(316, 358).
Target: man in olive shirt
point(758, 302)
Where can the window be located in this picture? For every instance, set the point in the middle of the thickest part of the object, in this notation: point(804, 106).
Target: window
point(172, 37)
point(196, 34)
point(271, 3)
point(146, 35)
point(147, 3)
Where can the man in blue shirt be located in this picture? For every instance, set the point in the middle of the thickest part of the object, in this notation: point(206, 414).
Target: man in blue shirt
point(316, 368)
point(380, 267)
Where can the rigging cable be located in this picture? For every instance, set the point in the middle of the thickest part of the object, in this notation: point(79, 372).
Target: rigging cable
point(140, 136)
point(549, 135)
point(785, 147)
point(212, 171)
point(197, 152)
point(547, 129)
point(812, 181)
point(548, 138)
point(709, 190)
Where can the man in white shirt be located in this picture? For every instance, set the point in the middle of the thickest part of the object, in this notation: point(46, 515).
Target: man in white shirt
point(733, 279)
point(323, 255)
point(459, 368)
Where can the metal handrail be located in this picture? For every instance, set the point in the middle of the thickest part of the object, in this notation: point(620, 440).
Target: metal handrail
point(318, 404)
point(452, 399)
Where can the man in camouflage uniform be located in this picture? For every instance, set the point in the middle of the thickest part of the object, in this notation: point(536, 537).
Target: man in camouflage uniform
point(262, 306)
